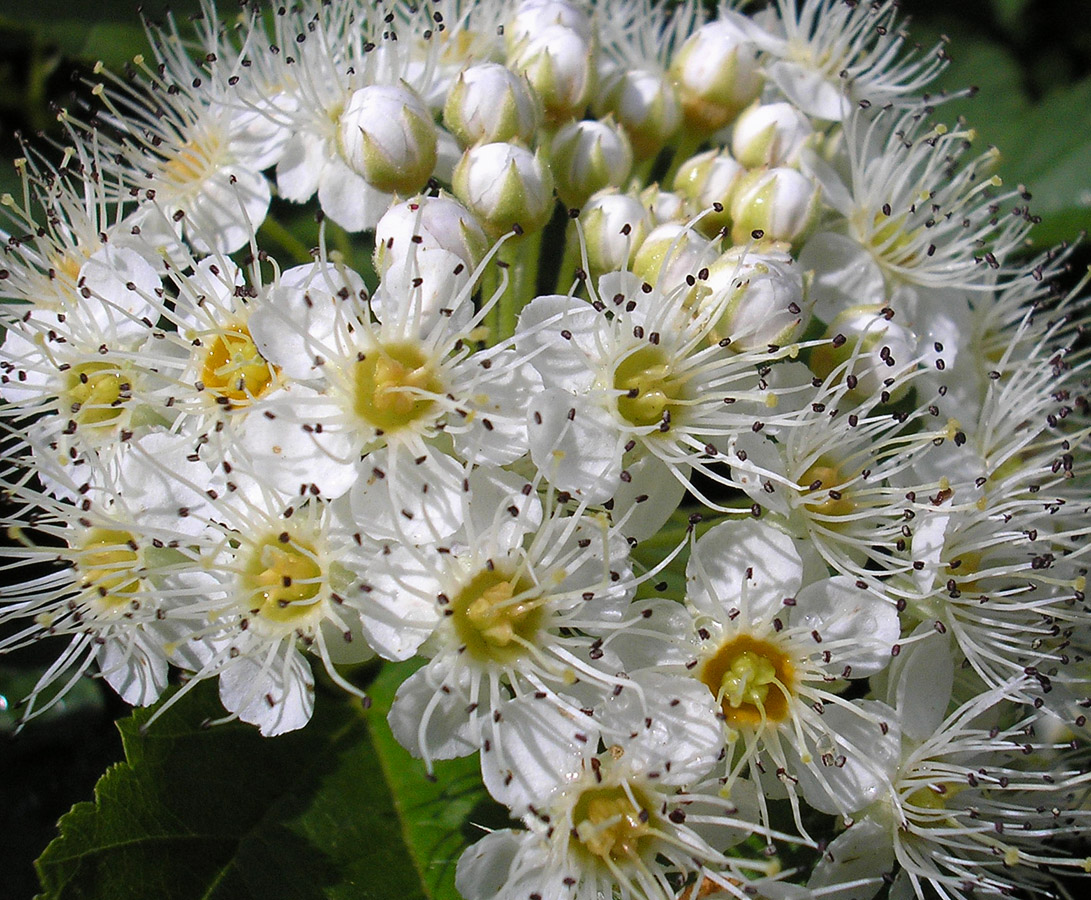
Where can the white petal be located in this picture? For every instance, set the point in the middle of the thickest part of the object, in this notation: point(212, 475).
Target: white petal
point(484, 868)
point(865, 758)
point(565, 362)
point(136, 669)
point(117, 283)
point(540, 749)
point(672, 725)
point(501, 401)
point(921, 680)
point(299, 169)
point(809, 91)
point(864, 626)
point(417, 502)
point(227, 212)
point(845, 275)
point(445, 733)
point(661, 489)
point(864, 851)
point(273, 700)
point(575, 444)
point(743, 565)
point(348, 199)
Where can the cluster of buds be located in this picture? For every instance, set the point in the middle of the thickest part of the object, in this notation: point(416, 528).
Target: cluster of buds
point(697, 422)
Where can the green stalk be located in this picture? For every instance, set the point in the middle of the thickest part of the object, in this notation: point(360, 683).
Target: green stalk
point(273, 231)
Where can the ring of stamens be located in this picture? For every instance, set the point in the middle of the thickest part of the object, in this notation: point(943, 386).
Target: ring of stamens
point(234, 368)
point(611, 824)
point(283, 581)
point(107, 564)
point(651, 392)
point(392, 384)
point(495, 615)
point(823, 491)
point(96, 393)
point(752, 681)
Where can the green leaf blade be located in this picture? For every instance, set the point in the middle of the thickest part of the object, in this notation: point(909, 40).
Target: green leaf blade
point(223, 813)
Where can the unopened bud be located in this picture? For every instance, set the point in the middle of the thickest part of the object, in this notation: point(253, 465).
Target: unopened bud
point(614, 225)
point(388, 137)
point(708, 182)
point(675, 257)
point(756, 299)
point(776, 204)
point(663, 206)
point(532, 16)
point(504, 185)
point(645, 104)
point(490, 103)
point(870, 348)
point(588, 156)
point(558, 63)
point(770, 134)
point(428, 223)
point(717, 74)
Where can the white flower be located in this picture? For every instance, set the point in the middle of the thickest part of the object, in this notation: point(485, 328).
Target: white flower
point(927, 218)
point(518, 602)
point(829, 55)
point(629, 376)
point(612, 823)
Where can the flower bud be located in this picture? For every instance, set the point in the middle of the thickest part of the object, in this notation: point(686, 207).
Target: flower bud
point(490, 103)
point(388, 137)
point(428, 223)
point(674, 256)
point(504, 185)
point(645, 104)
point(532, 16)
point(871, 350)
point(587, 156)
point(558, 63)
point(614, 225)
point(717, 74)
point(708, 180)
point(663, 206)
point(780, 203)
point(756, 298)
point(770, 134)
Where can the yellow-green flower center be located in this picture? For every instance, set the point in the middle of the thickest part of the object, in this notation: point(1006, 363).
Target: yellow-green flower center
point(96, 393)
point(106, 565)
point(823, 491)
point(234, 368)
point(495, 615)
point(652, 393)
point(751, 679)
point(608, 823)
point(393, 386)
point(283, 581)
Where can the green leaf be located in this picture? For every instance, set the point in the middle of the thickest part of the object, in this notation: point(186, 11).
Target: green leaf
point(440, 818)
point(224, 814)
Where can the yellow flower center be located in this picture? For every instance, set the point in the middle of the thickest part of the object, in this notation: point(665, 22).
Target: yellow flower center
point(393, 384)
point(609, 824)
point(494, 615)
point(234, 368)
point(283, 581)
point(751, 679)
point(106, 565)
point(652, 393)
point(95, 393)
point(823, 491)
point(193, 160)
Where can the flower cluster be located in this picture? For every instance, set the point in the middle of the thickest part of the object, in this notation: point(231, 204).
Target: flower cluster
point(699, 423)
